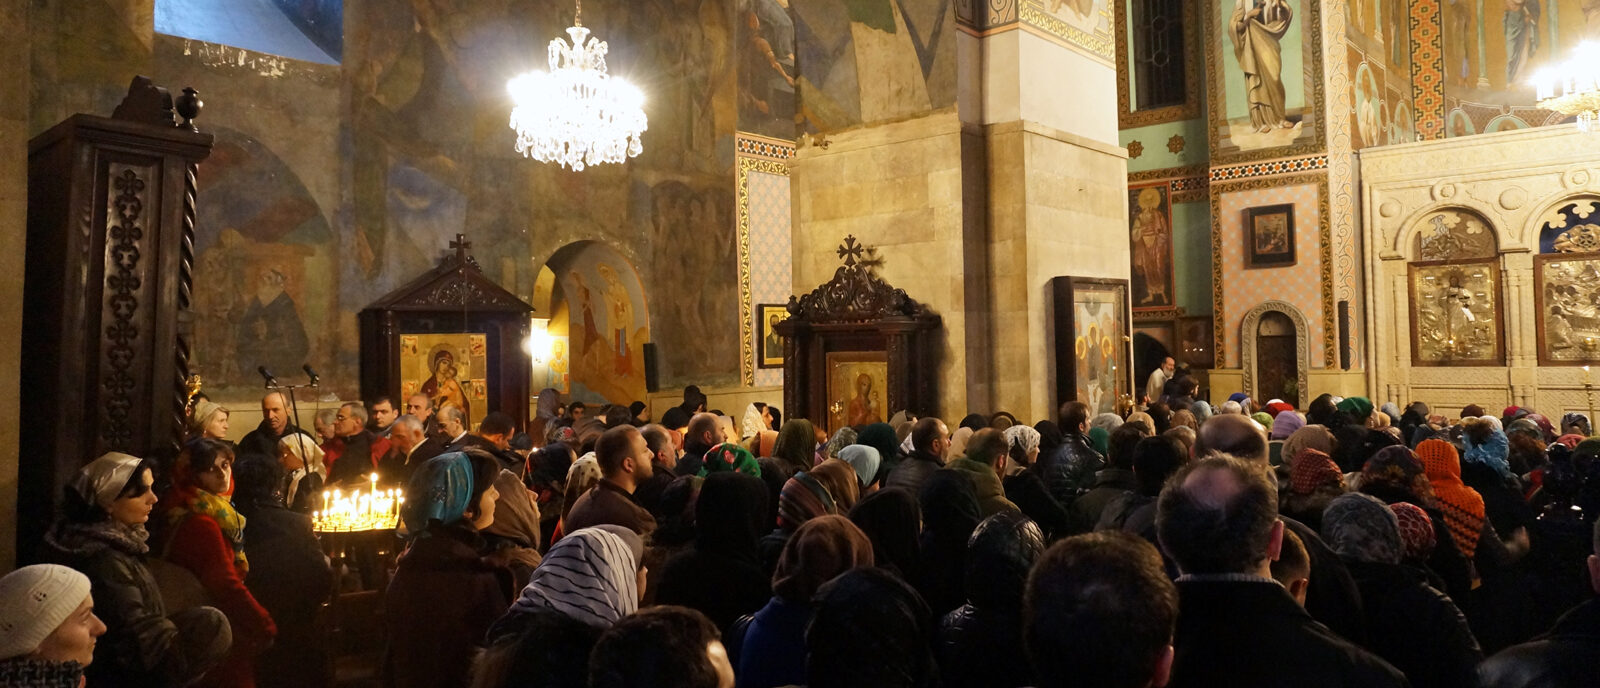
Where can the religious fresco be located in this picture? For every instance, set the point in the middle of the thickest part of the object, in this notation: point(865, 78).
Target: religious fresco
point(1268, 73)
point(1455, 314)
point(1569, 308)
point(765, 37)
point(1453, 234)
point(857, 385)
point(1571, 228)
point(1370, 120)
point(1491, 50)
point(263, 272)
point(606, 323)
point(1099, 326)
point(863, 61)
point(1150, 235)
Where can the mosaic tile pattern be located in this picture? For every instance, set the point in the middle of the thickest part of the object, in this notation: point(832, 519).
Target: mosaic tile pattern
point(771, 268)
point(1268, 168)
point(1427, 68)
point(1299, 284)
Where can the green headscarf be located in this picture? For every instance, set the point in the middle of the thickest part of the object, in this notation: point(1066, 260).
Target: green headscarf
point(1099, 439)
point(730, 457)
point(1262, 418)
point(797, 445)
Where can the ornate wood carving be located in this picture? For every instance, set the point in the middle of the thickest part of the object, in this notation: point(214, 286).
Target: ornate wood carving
point(856, 311)
point(123, 282)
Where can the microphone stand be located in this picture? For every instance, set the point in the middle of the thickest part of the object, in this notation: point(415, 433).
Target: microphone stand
point(294, 406)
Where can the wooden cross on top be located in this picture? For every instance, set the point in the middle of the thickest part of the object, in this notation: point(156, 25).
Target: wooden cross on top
point(460, 244)
point(850, 251)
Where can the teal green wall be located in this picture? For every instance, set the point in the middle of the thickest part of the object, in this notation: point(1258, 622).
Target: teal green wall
point(1191, 247)
point(1155, 138)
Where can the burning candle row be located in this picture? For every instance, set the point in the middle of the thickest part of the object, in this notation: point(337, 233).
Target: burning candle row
point(373, 510)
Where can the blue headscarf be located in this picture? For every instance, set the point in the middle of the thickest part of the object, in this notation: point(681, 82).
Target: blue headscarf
point(438, 490)
point(1493, 452)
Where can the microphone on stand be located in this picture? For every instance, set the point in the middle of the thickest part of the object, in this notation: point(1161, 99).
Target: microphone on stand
point(315, 378)
point(267, 375)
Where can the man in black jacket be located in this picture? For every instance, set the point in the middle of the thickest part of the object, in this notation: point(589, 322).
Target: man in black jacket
point(703, 434)
point(274, 426)
point(1565, 656)
point(930, 438)
point(1069, 471)
point(1237, 626)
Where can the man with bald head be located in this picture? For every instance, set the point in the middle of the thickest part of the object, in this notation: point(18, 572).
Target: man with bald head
point(704, 434)
point(1234, 435)
point(1332, 597)
point(1237, 626)
point(275, 425)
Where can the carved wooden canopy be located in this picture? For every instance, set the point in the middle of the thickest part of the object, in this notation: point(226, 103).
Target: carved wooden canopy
point(458, 283)
point(855, 294)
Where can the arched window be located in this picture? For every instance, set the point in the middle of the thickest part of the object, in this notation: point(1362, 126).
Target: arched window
point(1455, 291)
point(1157, 54)
point(1567, 272)
point(309, 30)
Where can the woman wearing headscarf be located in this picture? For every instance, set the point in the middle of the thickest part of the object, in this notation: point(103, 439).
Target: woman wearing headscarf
point(445, 593)
point(1486, 467)
point(721, 574)
point(102, 534)
point(771, 648)
point(1309, 437)
point(546, 409)
point(582, 476)
point(880, 436)
point(754, 421)
point(845, 437)
point(864, 460)
point(840, 479)
point(950, 512)
point(1395, 475)
point(728, 457)
point(1314, 482)
point(1024, 485)
point(1462, 505)
point(513, 538)
point(1414, 416)
point(763, 444)
point(803, 498)
point(797, 444)
point(1201, 410)
point(958, 441)
point(980, 644)
point(1575, 424)
point(304, 472)
point(547, 478)
point(289, 576)
point(204, 534)
point(1284, 425)
point(1100, 440)
point(1108, 421)
point(586, 583)
point(1408, 622)
point(892, 521)
point(870, 630)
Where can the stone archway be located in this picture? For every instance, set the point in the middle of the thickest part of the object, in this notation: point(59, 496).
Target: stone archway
point(1252, 355)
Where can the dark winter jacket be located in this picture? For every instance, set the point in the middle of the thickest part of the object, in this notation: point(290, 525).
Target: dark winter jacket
point(440, 603)
point(980, 643)
point(1071, 468)
point(1401, 610)
point(1562, 658)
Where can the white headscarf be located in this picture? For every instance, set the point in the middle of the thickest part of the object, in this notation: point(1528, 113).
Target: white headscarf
point(1024, 435)
point(103, 479)
point(590, 575)
point(752, 424)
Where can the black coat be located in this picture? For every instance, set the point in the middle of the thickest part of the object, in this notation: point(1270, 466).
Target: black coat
point(1331, 596)
point(291, 578)
point(1028, 491)
point(1253, 634)
point(1069, 470)
point(1402, 610)
point(1109, 484)
point(263, 441)
point(440, 603)
point(913, 471)
point(721, 575)
point(1562, 658)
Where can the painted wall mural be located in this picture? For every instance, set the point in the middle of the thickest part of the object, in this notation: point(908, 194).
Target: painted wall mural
point(862, 61)
point(1150, 235)
point(766, 68)
point(606, 323)
point(1265, 75)
point(1492, 49)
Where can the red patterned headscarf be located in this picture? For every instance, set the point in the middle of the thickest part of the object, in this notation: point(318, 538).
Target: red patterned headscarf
point(1313, 469)
point(1416, 530)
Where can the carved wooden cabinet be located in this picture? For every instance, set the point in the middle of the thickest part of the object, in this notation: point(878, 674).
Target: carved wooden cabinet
point(106, 323)
point(453, 298)
point(857, 350)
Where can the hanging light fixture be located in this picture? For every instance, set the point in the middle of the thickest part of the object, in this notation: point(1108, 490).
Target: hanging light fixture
point(576, 114)
point(1573, 87)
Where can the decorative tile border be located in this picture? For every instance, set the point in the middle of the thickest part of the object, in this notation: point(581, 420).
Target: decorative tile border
point(761, 147)
point(1268, 168)
point(1427, 68)
point(982, 18)
point(746, 165)
point(1185, 184)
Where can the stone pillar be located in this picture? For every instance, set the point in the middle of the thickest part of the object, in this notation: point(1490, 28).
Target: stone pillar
point(14, 99)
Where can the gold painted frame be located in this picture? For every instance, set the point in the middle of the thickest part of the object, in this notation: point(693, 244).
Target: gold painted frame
point(1417, 273)
point(1216, 93)
point(1542, 296)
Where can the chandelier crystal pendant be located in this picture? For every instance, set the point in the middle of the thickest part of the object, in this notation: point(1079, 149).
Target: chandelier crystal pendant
point(576, 114)
point(1572, 87)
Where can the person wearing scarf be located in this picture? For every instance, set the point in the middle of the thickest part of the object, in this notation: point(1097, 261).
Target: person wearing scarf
point(754, 421)
point(797, 445)
point(865, 461)
point(1396, 475)
point(950, 512)
point(721, 575)
point(1575, 424)
point(1309, 437)
point(892, 520)
point(762, 444)
point(1314, 481)
point(1462, 505)
point(1100, 440)
point(868, 628)
point(1486, 468)
point(445, 593)
point(514, 536)
point(304, 473)
point(1409, 623)
point(980, 644)
point(1359, 408)
point(102, 534)
point(581, 477)
point(1284, 425)
point(546, 409)
point(880, 436)
point(958, 442)
point(730, 457)
point(586, 583)
point(846, 436)
point(47, 627)
point(771, 648)
point(840, 479)
point(204, 534)
point(802, 498)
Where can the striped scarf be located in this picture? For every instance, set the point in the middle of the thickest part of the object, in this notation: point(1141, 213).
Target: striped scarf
point(589, 575)
point(1462, 505)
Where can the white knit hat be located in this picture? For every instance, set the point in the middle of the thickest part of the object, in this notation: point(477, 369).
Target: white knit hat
point(34, 602)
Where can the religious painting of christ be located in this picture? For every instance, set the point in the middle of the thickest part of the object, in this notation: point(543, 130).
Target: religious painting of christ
point(770, 352)
point(449, 369)
point(857, 386)
point(1150, 232)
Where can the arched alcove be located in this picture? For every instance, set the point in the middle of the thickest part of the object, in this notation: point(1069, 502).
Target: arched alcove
point(1283, 324)
point(1567, 282)
point(1453, 278)
point(599, 324)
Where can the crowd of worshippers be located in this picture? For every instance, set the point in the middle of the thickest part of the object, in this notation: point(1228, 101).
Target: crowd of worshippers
point(1250, 545)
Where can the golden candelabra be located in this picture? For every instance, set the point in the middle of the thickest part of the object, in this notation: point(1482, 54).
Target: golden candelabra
point(1588, 391)
point(373, 510)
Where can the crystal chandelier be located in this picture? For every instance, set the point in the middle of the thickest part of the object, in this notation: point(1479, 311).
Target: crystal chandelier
point(1573, 87)
point(576, 114)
